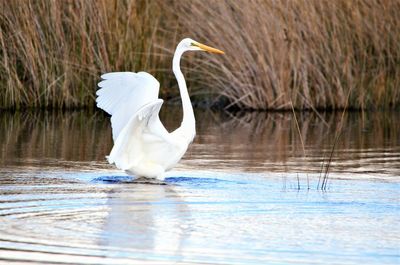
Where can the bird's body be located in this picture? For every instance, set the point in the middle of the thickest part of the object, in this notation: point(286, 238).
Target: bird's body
point(142, 145)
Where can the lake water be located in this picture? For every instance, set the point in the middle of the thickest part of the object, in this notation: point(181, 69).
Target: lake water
point(246, 192)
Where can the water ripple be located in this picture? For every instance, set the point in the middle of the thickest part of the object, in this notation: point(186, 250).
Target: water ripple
point(245, 193)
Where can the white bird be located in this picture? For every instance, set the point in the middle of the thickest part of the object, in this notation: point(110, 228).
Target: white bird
point(142, 145)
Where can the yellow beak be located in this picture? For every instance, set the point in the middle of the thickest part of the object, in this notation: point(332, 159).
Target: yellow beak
point(207, 48)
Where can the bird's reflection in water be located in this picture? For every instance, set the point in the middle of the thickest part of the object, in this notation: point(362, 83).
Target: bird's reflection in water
point(146, 215)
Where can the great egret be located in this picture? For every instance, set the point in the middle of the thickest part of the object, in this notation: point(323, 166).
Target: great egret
point(142, 145)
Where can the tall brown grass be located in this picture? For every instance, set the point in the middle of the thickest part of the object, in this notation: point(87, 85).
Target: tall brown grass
point(52, 52)
point(311, 53)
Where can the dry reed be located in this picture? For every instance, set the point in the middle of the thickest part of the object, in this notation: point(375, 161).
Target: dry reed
point(53, 51)
point(309, 53)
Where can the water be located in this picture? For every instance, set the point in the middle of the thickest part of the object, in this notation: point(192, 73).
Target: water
point(245, 193)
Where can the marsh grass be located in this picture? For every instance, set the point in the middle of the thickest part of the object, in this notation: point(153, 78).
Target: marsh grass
point(54, 51)
point(308, 54)
point(338, 133)
point(279, 54)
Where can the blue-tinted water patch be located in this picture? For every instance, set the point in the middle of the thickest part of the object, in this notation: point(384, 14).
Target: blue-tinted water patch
point(128, 180)
point(199, 181)
point(113, 179)
point(198, 217)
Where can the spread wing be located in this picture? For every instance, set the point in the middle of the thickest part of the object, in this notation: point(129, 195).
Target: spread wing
point(122, 94)
point(144, 135)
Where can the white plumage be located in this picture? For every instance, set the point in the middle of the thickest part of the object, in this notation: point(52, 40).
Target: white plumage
point(123, 93)
point(142, 145)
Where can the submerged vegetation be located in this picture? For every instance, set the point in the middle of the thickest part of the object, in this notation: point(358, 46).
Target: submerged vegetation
point(279, 54)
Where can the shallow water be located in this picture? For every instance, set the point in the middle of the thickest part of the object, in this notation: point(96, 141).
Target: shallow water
point(245, 193)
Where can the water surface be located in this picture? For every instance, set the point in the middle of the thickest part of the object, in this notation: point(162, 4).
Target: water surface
point(246, 192)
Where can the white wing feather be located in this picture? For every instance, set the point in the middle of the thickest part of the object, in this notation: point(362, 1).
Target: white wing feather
point(141, 139)
point(122, 94)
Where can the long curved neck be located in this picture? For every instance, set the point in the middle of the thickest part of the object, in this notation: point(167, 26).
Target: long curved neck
point(188, 122)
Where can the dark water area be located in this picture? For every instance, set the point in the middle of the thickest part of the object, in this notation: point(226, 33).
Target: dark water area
point(249, 141)
point(246, 192)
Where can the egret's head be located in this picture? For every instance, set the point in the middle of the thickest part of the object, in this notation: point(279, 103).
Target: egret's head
point(191, 45)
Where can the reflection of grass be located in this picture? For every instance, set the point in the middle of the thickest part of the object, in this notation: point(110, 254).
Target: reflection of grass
point(244, 141)
point(41, 136)
point(368, 142)
point(309, 53)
